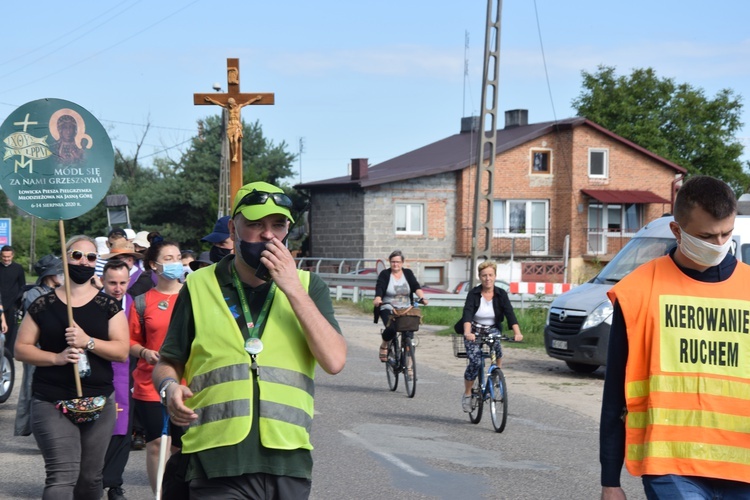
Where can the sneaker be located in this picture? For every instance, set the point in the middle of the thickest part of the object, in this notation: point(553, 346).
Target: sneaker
point(466, 403)
point(139, 441)
point(116, 493)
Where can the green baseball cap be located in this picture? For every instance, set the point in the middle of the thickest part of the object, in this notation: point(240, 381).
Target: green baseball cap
point(259, 199)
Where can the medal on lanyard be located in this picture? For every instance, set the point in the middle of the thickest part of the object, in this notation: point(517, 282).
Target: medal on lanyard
point(253, 345)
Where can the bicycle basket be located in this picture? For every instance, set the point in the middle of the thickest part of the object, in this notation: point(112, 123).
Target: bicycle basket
point(406, 320)
point(459, 348)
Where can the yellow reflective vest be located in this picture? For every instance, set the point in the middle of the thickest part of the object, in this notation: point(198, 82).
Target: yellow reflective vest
point(687, 379)
point(219, 375)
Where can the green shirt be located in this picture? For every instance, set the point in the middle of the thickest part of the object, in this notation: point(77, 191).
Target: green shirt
point(249, 456)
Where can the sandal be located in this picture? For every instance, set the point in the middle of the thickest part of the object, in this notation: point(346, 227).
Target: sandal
point(383, 354)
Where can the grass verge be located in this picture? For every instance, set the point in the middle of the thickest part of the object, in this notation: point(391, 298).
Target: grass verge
point(530, 320)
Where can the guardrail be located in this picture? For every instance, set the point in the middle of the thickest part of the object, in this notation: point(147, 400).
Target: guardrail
point(355, 287)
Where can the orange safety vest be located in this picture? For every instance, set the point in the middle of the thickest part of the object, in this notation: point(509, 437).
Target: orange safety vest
point(687, 379)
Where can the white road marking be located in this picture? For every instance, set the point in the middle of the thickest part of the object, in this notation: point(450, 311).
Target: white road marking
point(387, 456)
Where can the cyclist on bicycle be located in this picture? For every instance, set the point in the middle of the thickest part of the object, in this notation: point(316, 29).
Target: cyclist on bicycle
point(394, 289)
point(485, 308)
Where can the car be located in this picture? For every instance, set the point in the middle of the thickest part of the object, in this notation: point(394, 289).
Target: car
point(464, 286)
point(578, 322)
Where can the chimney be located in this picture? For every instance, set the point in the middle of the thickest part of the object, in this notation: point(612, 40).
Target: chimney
point(359, 168)
point(469, 124)
point(516, 118)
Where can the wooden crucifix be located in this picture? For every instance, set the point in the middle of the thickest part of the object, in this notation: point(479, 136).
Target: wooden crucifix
point(233, 101)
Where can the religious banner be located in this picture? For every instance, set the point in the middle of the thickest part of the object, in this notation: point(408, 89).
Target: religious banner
point(58, 161)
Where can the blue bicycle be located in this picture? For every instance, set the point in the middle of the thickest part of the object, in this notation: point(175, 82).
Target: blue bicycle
point(488, 386)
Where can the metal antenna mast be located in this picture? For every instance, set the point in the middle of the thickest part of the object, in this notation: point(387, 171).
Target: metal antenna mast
point(483, 197)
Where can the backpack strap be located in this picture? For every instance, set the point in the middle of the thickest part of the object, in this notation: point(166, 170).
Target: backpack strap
point(140, 310)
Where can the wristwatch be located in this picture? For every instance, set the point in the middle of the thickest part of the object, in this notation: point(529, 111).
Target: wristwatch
point(90, 345)
point(163, 391)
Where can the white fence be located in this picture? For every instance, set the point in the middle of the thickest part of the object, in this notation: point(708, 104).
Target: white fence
point(355, 287)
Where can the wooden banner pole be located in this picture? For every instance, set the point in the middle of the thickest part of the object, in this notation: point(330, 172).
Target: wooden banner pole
point(64, 252)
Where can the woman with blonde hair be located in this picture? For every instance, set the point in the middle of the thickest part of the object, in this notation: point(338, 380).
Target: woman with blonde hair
point(73, 445)
point(484, 310)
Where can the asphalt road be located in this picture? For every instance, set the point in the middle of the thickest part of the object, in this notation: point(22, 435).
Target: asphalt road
point(371, 443)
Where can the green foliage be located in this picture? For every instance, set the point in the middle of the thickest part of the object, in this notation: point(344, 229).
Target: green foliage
point(182, 202)
point(47, 239)
point(531, 321)
point(177, 198)
point(675, 121)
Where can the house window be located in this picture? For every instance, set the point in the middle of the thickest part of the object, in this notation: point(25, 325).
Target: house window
point(599, 163)
point(433, 275)
point(524, 218)
point(611, 221)
point(540, 162)
point(409, 218)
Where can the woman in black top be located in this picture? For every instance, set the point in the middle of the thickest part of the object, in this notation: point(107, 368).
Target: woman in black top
point(73, 453)
point(394, 289)
point(485, 308)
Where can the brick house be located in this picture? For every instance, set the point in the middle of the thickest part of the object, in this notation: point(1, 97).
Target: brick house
point(554, 182)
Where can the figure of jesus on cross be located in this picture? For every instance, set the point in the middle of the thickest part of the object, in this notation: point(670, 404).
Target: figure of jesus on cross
point(234, 125)
point(233, 101)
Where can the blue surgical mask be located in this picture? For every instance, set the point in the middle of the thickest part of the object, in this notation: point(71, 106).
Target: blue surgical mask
point(172, 271)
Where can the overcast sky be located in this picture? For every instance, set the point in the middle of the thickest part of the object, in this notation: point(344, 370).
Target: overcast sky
point(351, 79)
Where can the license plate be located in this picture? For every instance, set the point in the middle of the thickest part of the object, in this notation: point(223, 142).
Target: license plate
point(560, 344)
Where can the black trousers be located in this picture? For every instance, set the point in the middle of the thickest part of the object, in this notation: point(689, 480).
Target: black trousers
point(115, 460)
point(10, 335)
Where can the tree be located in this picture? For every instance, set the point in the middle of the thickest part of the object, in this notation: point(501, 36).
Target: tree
point(183, 202)
point(675, 121)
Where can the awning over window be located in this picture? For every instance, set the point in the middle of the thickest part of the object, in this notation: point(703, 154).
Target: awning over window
point(624, 196)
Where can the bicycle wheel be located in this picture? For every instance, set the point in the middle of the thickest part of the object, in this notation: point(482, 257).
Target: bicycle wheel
point(477, 401)
point(499, 400)
point(410, 368)
point(392, 365)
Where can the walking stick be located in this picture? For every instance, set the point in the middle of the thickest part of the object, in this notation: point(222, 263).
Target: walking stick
point(61, 226)
point(163, 449)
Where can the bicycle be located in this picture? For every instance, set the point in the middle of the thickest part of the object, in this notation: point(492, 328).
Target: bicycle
point(401, 357)
point(489, 386)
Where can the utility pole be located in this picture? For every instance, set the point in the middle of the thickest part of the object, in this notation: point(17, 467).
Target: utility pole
point(32, 243)
point(483, 194)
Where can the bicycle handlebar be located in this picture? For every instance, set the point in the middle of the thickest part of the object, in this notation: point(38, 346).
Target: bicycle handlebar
point(483, 337)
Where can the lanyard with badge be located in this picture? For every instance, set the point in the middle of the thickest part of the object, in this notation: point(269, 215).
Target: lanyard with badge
point(253, 345)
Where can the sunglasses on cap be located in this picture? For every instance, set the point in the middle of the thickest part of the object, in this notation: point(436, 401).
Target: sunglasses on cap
point(78, 255)
point(261, 197)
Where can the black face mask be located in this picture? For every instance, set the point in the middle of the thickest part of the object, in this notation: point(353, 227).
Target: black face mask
point(80, 274)
point(250, 252)
point(218, 253)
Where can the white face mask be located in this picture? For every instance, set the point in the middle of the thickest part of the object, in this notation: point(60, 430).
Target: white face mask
point(702, 252)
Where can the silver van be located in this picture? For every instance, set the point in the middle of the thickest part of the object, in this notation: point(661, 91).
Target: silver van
point(577, 327)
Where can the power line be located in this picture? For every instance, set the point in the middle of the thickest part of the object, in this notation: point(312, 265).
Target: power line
point(95, 54)
point(544, 61)
point(146, 125)
point(25, 54)
point(61, 47)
